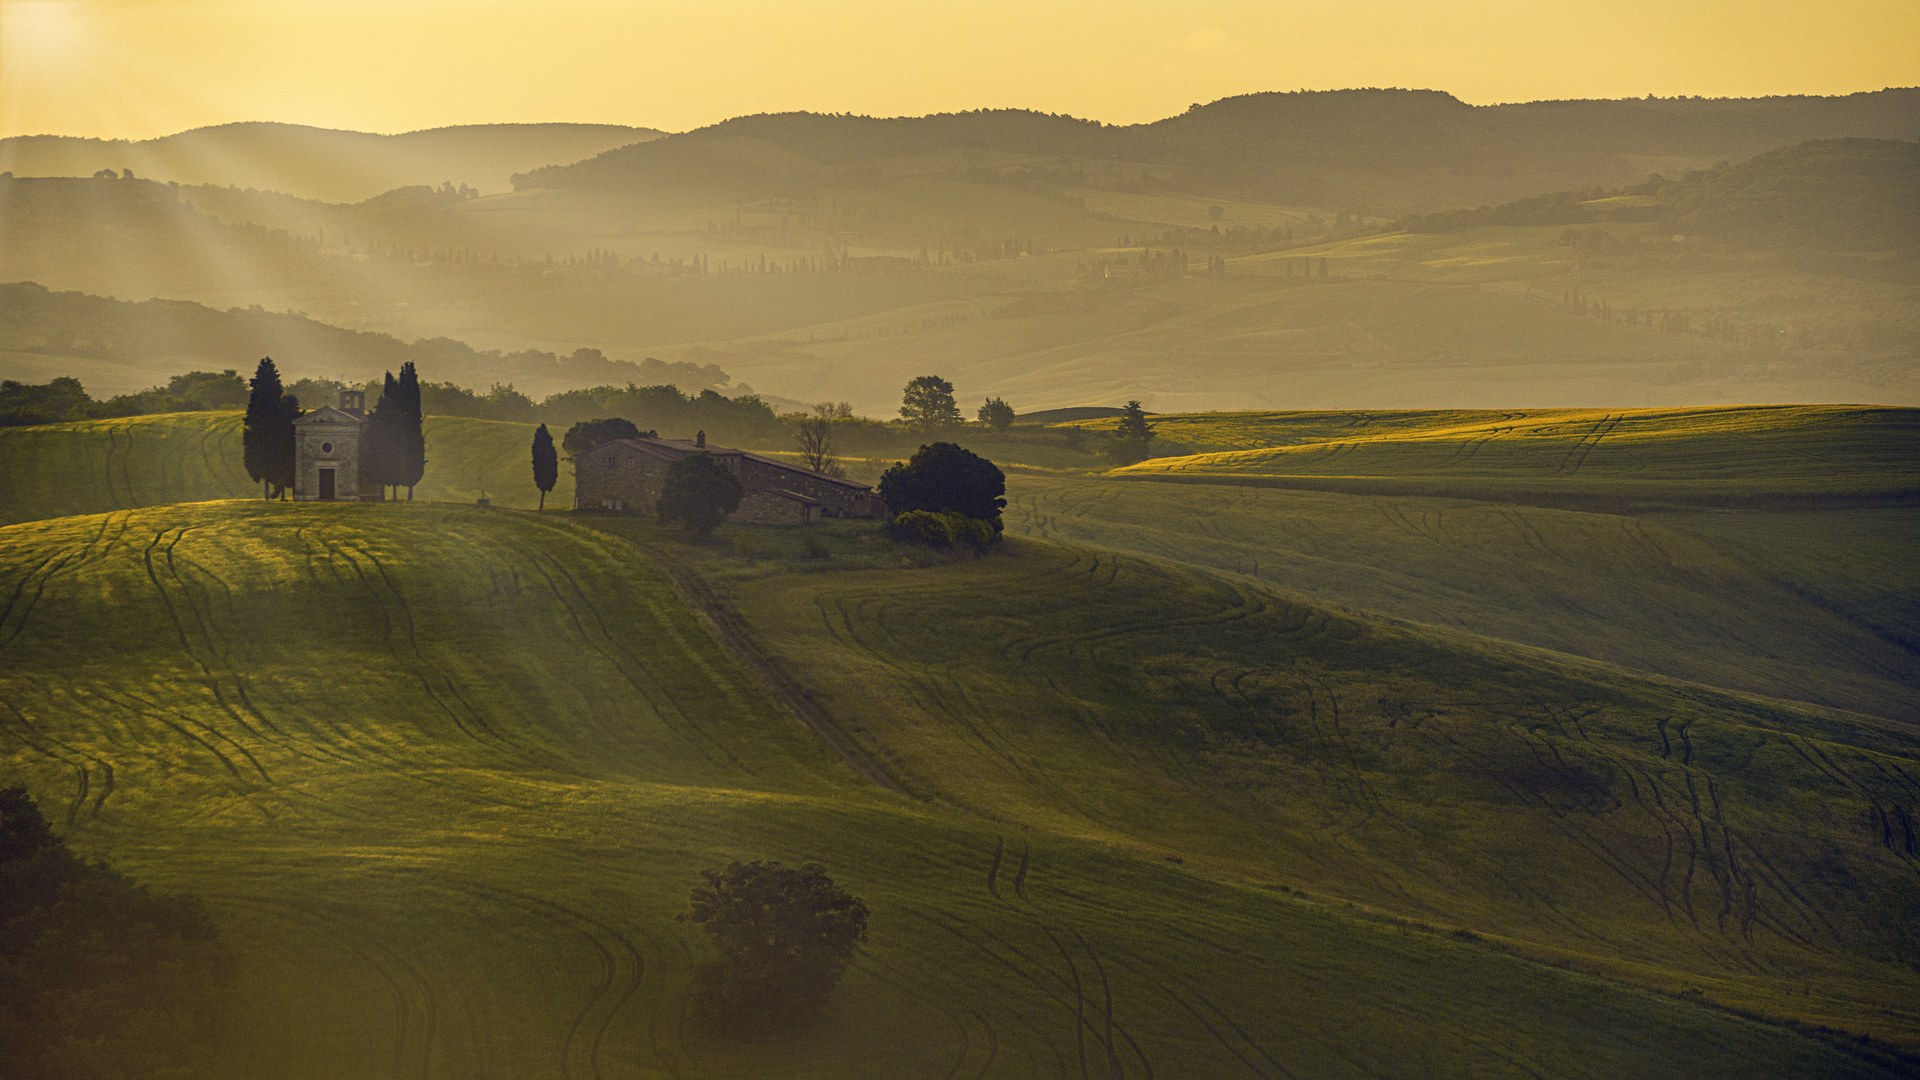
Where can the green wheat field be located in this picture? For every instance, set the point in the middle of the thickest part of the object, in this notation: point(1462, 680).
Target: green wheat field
point(1552, 743)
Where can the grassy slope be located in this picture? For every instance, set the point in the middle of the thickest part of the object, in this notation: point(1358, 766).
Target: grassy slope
point(1709, 455)
point(94, 466)
point(446, 774)
point(1662, 831)
point(1822, 610)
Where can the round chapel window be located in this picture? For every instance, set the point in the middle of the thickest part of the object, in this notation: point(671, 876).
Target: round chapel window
point(326, 448)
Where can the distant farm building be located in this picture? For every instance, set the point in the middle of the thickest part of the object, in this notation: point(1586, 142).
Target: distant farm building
point(628, 474)
point(326, 453)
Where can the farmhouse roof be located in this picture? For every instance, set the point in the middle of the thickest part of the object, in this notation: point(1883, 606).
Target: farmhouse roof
point(675, 449)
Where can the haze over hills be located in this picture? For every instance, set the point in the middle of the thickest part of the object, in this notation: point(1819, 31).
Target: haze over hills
point(1371, 151)
point(319, 163)
point(1058, 262)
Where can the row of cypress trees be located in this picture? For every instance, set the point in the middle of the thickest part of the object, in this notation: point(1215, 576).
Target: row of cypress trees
point(393, 453)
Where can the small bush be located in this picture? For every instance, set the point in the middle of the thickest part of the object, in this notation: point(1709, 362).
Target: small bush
point(923, 527)
point(816, 548)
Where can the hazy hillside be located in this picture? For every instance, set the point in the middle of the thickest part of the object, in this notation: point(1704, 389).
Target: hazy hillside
point(318, 163)
point(118, 346)
point(1828, 195)
point(1788, 277)
point(1376, 151)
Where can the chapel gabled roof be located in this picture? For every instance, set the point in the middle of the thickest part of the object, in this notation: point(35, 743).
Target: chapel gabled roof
point(331, 415)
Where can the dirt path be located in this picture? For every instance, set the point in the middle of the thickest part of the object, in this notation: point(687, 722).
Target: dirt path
point(733, 634)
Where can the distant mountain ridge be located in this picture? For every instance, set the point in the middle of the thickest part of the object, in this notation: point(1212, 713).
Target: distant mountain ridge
point(321, 163)
point(1372, 150)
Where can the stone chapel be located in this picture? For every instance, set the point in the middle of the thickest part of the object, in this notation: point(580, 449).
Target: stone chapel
point(326, 453)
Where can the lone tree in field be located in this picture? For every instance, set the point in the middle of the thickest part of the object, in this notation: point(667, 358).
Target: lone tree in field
point(1133, 437)
point(996, 414)
point(266, 436)
point(928, 404)
point(699, 492)
point(946, 478)
point(546, 464)
point(785, 936)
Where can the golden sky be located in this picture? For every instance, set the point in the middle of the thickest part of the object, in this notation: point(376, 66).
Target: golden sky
point(142, 68)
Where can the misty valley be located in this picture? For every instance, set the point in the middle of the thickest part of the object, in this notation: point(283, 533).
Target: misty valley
point(1325, 584)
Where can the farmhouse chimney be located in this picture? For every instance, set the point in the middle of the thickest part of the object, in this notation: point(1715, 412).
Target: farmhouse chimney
point(700, 440)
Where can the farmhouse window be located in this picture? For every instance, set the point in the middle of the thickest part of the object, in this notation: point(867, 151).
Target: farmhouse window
point(609, 463)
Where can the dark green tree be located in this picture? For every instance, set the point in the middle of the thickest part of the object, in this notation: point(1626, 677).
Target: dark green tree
point(283, 459)
point(588, 434)
point(785, 936)
point(944, 477)
point(1133, 436)
point(411, 447)
point(383, 445)
point(100, 975)
point(546, 464)
point(259, 432)
point(996, 414)
point(928, 404)
point(699, 492)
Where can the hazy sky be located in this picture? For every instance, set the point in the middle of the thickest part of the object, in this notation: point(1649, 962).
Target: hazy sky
point(140, 68)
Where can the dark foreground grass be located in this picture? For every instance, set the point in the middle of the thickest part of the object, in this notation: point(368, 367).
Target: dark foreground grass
point(1659, 830)
point(95, 466)
point(1820, 606)
point(445, 776)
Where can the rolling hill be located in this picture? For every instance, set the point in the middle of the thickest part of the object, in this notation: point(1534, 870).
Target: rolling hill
point(1430, 774)
point(1739, 456)
point(1373, 149)
point(95, 466)
point(445, 775)
point(320, 163)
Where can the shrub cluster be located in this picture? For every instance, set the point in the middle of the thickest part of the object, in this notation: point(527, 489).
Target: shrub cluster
point(941, 530)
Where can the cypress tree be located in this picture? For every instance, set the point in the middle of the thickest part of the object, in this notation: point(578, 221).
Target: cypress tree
point(280, 460)
point(380, 450)
point(546, 464)
point(257, 447)
point(411, 444)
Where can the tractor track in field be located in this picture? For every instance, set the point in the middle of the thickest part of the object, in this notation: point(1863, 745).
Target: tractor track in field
point(622, 970)
point(1154, 976)
point(1069, 995)
point(83, 782)
point(186, 646)
point(734, 637)
point(420, 667)
point(659, 701)
point(909, 985)
point(416, 1010)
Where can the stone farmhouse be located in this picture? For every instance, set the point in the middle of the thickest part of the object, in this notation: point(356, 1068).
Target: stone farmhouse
point(627, 475)
point(326, 453)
